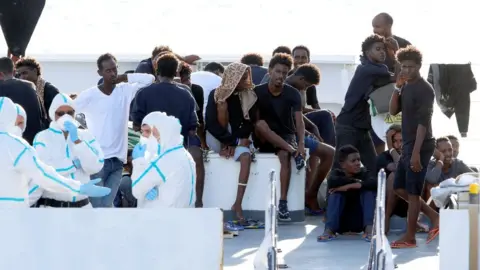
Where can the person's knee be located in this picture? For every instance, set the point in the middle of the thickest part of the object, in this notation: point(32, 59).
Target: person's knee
point(245, 158)
point(284, 158)
point(325, 152)
point(261, 126)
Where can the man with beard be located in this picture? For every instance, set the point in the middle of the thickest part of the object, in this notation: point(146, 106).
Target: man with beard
point(106, 108)
point(29, 69)
point(23, 93)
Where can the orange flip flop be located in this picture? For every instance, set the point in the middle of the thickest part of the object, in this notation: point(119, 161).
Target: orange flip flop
point(432, 234)
point(402, 244)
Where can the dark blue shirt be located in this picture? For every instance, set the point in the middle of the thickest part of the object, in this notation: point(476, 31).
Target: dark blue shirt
point(356, 111)
point(166, 97)
point(258, 73)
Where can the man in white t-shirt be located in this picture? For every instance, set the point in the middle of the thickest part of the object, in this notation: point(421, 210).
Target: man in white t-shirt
point(106, 108)
point(209, 79)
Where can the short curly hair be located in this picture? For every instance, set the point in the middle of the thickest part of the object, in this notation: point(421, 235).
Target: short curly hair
point(167, 65)
point(29, 62)
point(410, 53)
point(310, 72)
point(160, 49)
point(282, 49)
point(281, 59)
point(252, 59)
point(185, 70)
point(369, 41)
point(301, 47)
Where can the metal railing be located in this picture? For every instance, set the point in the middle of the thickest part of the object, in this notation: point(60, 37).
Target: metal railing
point(379, 252)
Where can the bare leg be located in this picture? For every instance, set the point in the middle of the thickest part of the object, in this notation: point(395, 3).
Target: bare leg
point(196, 153)
point(245, 161)
point(285, 173)
point(391, 201)
point(326, 153)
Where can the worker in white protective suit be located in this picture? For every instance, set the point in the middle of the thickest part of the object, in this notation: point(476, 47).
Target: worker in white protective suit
point(163, 170)
point(73, 153)
point(20, 162)
point(20, 123)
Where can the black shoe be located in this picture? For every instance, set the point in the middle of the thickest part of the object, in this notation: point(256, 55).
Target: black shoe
point(283, 213)
point(299, 161)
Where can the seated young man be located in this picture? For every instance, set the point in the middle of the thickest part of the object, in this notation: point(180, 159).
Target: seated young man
point(353, 124)
point(228, 124)
point(456, 149)
point(279, 105)
point(444, 167)
point(351, 200)
point(302, 78)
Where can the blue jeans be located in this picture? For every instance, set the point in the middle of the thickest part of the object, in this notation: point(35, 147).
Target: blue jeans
point(111, 174)
point(125, 192)
point(336, 204)
point(324, 122)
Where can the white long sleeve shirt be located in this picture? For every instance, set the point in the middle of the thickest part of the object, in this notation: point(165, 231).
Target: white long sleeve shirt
point(107, 115)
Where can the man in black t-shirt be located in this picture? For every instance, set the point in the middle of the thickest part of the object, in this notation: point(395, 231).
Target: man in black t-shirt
point(279, 105)
point(415, 100)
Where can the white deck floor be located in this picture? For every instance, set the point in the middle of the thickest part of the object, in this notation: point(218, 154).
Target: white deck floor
point(300, 250)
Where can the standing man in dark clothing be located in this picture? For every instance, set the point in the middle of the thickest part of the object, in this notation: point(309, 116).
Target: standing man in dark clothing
point(382, 25)
point(354, 121)
point(29, 69)
point(23, 93)
point(255, 61)
point(415, 101)
point(175, 100)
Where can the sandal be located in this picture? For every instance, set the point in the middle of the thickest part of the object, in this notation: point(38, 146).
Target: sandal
point(326, 237)
point(432, 234)
point(249, 224)
point(402, 244)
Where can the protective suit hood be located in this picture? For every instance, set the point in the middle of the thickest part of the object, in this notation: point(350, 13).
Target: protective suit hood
point(58, 101)
point(8, 114)
point(22, 113)
point(169, 128)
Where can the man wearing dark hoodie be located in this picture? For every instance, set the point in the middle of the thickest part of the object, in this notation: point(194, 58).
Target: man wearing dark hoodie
point(148, 65)
point(353, 124)
point(351, 197)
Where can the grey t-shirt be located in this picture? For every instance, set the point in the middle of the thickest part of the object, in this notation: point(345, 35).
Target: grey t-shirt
point(436, 176)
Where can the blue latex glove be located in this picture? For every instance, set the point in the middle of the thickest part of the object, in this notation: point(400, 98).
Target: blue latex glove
point(91, 190)
point(77, 163)
point(139, 151)
point(152, 194)
point(72, 130)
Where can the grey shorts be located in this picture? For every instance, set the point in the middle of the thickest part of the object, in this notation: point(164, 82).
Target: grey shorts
point(216, 146)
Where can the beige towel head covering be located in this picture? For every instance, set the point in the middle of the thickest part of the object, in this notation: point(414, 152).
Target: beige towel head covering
point(232, 76)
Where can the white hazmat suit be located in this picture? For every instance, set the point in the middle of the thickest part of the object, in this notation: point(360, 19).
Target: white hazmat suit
point(20, 162)
point(71, 160)
point(163, 170)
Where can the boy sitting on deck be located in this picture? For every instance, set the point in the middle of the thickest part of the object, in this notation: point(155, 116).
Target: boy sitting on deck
point(351, 198)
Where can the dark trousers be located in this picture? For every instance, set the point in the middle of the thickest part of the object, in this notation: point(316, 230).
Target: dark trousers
point(324, 122)
point(336, 205)
point(360, 139)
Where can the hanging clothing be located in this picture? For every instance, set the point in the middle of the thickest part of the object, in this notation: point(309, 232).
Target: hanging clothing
point(171, 169)
point(453, 84)
point(71, 160)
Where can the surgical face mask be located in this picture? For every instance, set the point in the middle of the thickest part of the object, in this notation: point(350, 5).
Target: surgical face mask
point(15, 130)
point(64, 118)
point(151, 143)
